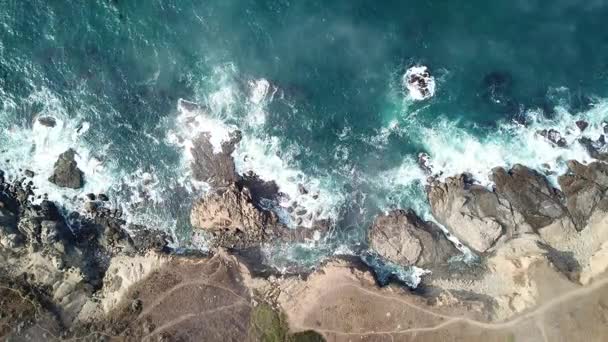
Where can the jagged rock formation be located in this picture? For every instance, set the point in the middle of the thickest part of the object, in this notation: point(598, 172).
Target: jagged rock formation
point(66, 172)
point(585, 188)
point(215, 167)
point(403, 238)
point(530, 194)
point(232, 216)
point(471, 212)
point(236, 211)
point(67, 259)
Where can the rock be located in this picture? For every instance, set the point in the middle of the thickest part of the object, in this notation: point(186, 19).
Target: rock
point(259, 188)
point(29, 173)
point(582, 125)
point(530, 194)
point(47, 121)
point(497, 88)
point(419, 82)
point(403, 238)
point(90, 207)
point(230, 212)
point(103, 197)
point(49, 232)
point(66, 172)
point(554, 137)
point(470, 212)
point(424, 161)
point(215, 167)
point(585, 188)
point(594, 147)
point(302, 190)
point(91, 197)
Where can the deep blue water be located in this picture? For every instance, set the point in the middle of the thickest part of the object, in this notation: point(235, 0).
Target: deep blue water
point(340, 119)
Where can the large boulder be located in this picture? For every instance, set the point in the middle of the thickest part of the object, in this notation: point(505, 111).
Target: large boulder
point(66, 173)
point(231, 214)
point(403, 238)
point(215, 167)
point(586, 190)
point(469, 211)
point(530, 194)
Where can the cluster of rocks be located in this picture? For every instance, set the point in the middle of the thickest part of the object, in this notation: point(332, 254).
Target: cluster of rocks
point(521, 203)
point(596, 148)
point(237, 210)
point(420, 83)
point(66, 254)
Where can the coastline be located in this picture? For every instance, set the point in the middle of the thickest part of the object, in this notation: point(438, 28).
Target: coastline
point(538, 250)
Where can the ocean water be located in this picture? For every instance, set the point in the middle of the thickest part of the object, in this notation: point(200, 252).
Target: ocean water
point(315, 86)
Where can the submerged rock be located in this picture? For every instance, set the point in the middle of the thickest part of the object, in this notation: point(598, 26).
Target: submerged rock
point(47, 121)
point(403, 238)
point(66, 172)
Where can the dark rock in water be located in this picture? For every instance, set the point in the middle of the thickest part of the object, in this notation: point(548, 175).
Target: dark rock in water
point(582, 125)
point(424, 161)
point(47, 121)
point(188, 105)
point(217, 169)
point(66, 173)
point(586, 190)
point(530, 194)
point(91, 197)
point(403, 238)
point(103, 197)
point(496, 90)
point(497, 85)
point(302, 190)
point(29, 173)
point(594, 147)
point(554, 137)
point(260, 189)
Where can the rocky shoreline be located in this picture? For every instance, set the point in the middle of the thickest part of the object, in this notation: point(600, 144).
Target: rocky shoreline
point(92, 276)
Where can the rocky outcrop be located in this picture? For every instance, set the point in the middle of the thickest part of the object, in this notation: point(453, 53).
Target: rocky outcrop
point(469, 211)
point(522, 201)
point(66, 173)
point(232, 216)
point(215, 167)
point(66, 257)
point(586, 190)
point(530, 194)
point(403, 238)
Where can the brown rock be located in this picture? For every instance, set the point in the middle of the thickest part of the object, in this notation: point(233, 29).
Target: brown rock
point(403, 238)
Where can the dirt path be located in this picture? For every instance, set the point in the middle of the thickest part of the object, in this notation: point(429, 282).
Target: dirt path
point(450, 320)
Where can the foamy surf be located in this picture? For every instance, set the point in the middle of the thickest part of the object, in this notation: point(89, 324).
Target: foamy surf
point(227, 109)
point(419, 82)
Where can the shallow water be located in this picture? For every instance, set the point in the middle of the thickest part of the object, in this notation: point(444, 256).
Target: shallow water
point(315, 86)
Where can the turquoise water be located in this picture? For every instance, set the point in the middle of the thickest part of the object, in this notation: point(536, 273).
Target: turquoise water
point(334, 115)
